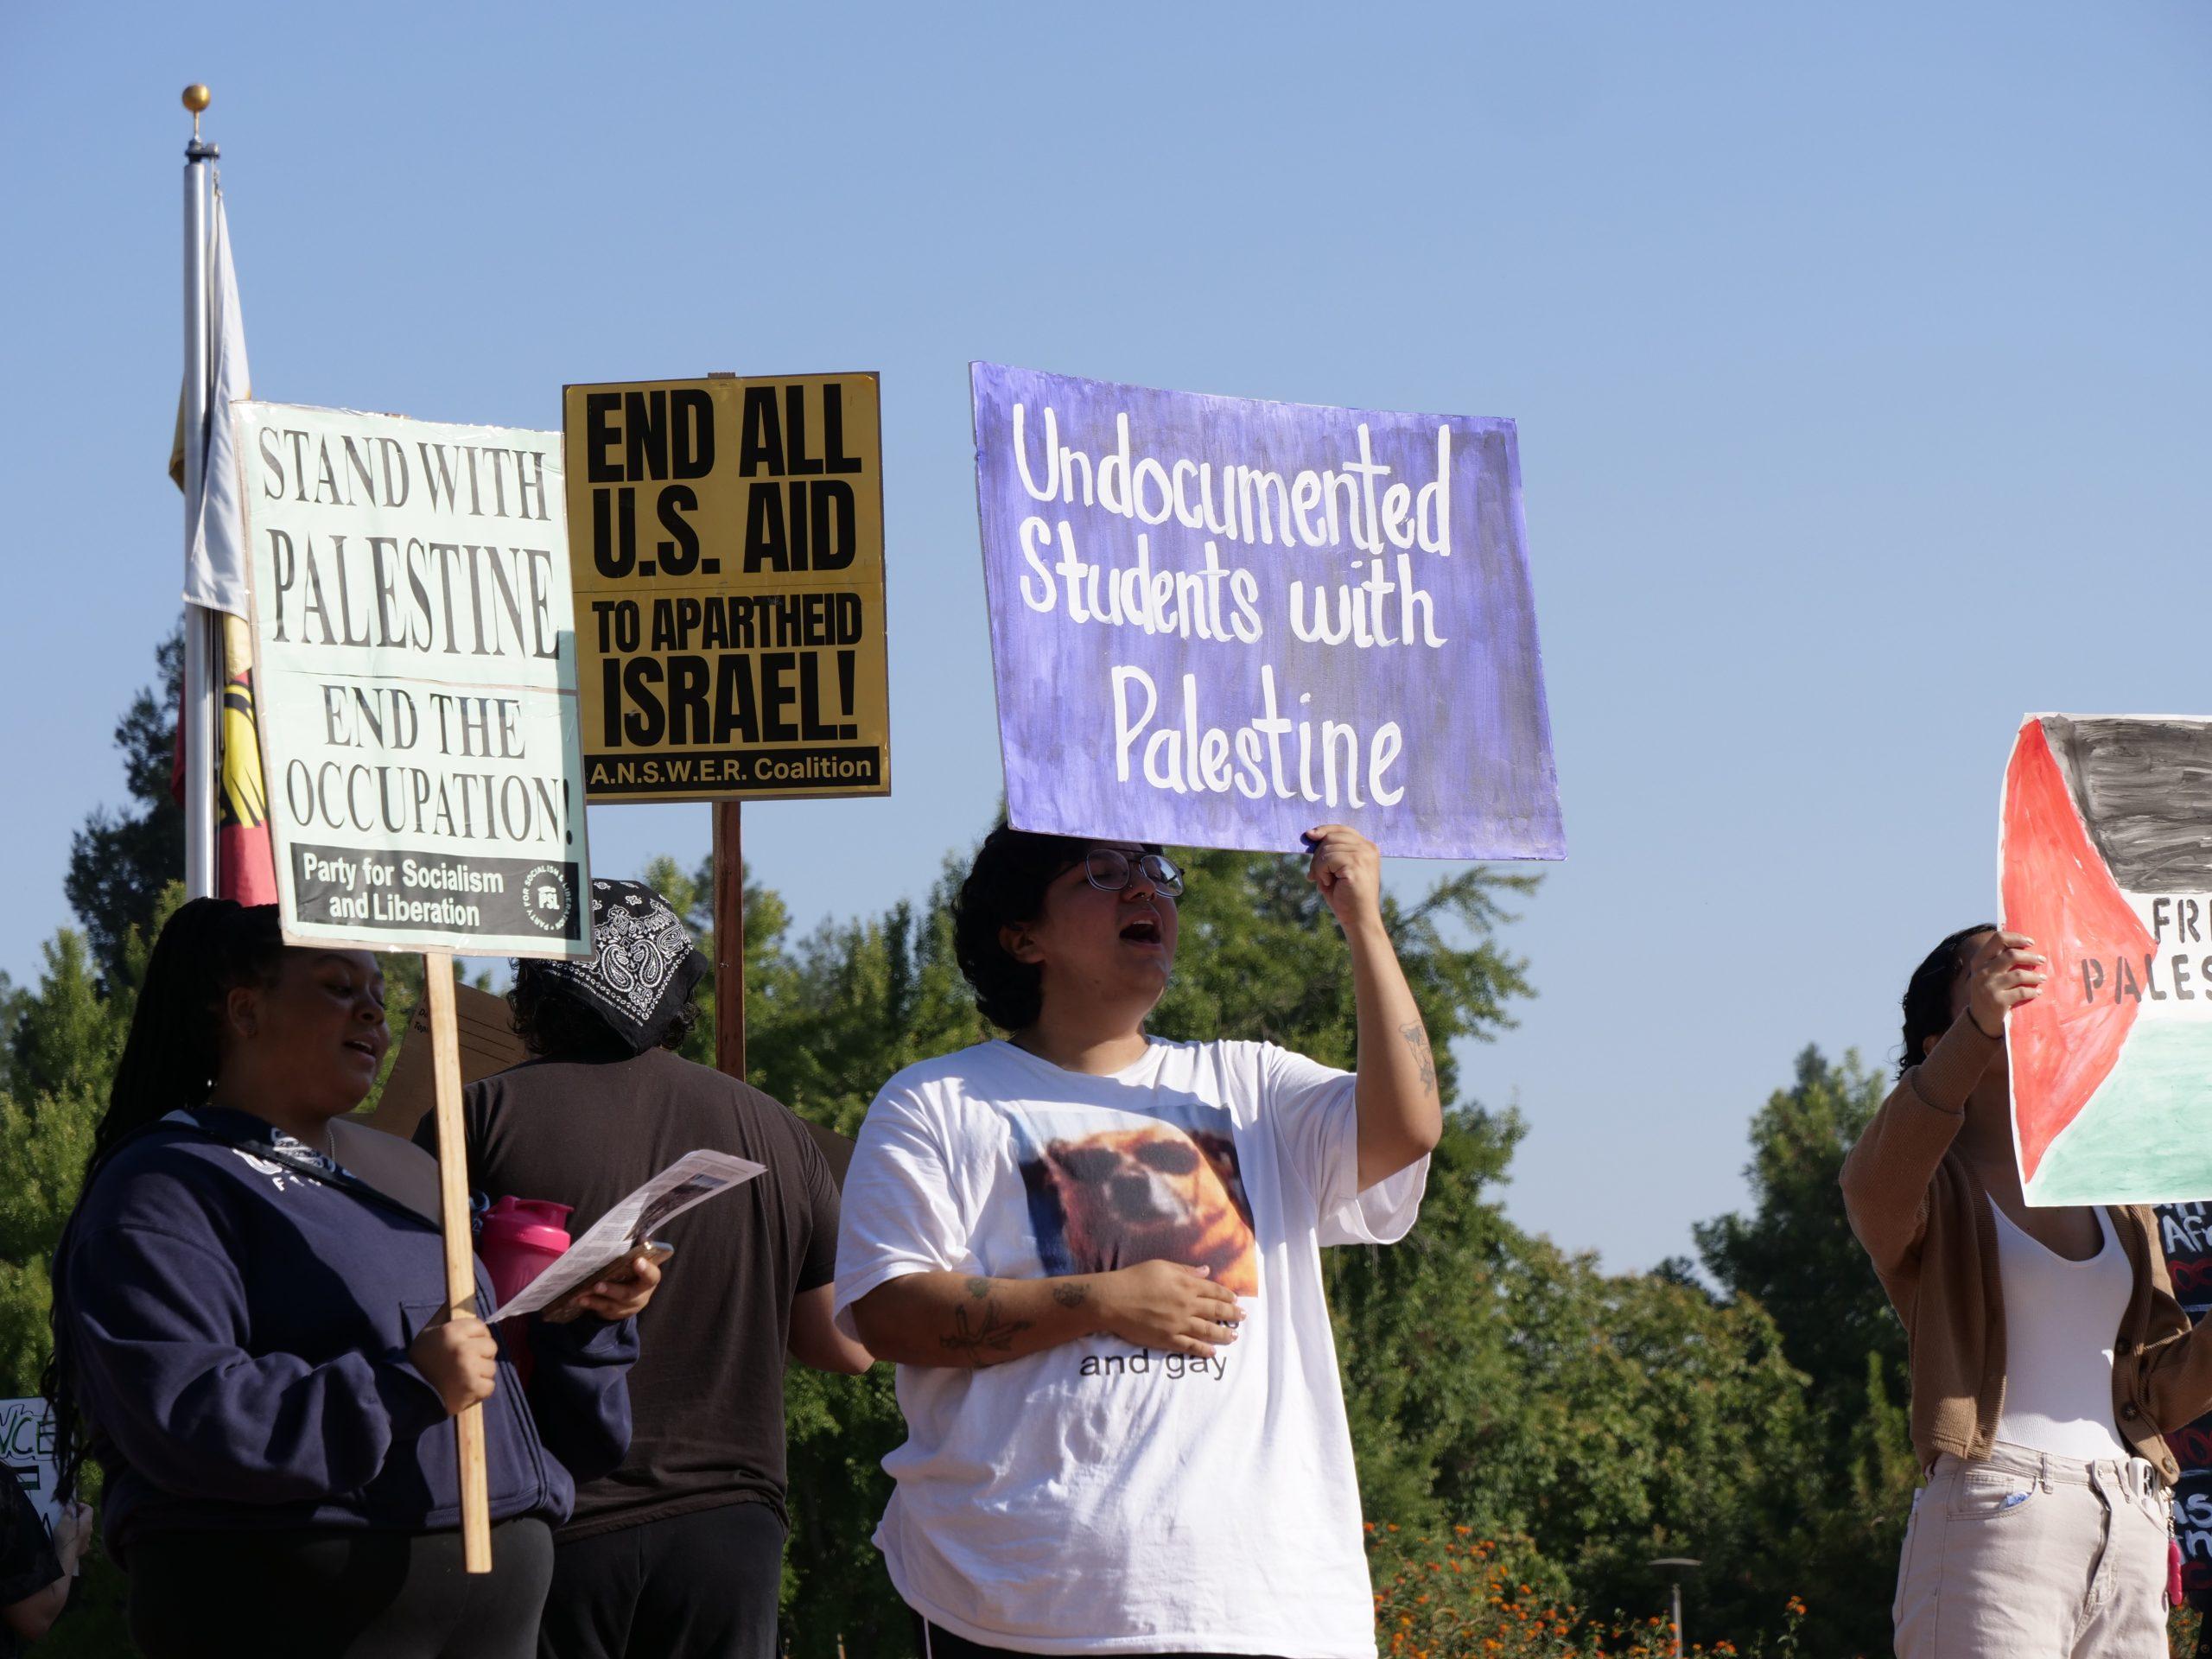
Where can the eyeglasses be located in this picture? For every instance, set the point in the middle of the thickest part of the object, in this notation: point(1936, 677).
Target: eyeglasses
point(1109, 869)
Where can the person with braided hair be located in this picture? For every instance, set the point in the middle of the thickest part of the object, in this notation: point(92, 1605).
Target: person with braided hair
point(251, 1334)
point(2049, 1357)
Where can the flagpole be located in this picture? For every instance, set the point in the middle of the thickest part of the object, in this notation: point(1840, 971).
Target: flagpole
point(201, 659)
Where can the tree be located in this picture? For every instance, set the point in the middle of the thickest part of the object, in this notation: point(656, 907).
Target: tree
point(119, 862)
point(61, 1041)
point(1794, 1253)
point(1794, 1256)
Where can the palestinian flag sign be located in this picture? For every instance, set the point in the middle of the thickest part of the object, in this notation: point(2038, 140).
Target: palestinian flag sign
point(2105, 861)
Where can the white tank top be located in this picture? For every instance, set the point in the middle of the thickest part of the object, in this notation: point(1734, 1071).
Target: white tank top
point(2062, 1319)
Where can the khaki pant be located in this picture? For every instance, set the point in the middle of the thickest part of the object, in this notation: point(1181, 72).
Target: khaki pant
point(2034, 1557)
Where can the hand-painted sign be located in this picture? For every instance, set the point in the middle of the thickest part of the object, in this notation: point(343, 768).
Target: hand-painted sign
point(2107, 863)
point(417, 681)
point(728, 584)
point(2186, 1231)
point(1219, 622)
point(27, 1447)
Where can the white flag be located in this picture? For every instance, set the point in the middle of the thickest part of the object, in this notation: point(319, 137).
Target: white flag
point(214, 564)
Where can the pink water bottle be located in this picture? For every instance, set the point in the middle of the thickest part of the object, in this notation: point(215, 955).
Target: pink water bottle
point(519, 1240)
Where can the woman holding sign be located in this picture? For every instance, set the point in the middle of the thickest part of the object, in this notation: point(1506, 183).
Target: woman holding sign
point(1095, 1256)
point(250, 1335)
point(2049, 1356)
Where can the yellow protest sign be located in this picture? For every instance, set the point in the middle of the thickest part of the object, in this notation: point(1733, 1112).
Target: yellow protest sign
point(726, 556)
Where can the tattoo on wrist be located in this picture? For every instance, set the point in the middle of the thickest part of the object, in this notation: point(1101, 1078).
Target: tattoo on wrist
point(978, 1288)
point(987, 1338)
point(1071, 1292)
point(1417, 1039)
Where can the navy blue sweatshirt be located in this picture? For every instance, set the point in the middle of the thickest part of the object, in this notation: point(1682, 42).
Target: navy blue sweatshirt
point(239, 1333)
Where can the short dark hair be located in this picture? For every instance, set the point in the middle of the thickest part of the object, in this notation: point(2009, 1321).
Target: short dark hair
point(1005, 888)
point(556, 1024)
point(1927, 993)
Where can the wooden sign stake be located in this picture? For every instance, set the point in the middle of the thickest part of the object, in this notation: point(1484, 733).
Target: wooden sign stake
point(729, 939)
point(461, 1252)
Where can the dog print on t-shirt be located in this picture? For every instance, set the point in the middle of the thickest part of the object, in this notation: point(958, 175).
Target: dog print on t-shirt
point(1109, 1189)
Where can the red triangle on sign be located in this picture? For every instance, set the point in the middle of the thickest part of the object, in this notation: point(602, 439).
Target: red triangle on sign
point(2057, 891)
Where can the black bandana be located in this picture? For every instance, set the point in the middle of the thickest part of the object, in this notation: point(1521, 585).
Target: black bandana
point(642, 967)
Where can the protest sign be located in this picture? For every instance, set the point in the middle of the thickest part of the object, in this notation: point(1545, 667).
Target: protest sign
point(1219, 622)
point(27, 1446)
point(2185, 1230)
point(728, 587)
point(484, 1032)
point(2105, 861)
point(417, 663)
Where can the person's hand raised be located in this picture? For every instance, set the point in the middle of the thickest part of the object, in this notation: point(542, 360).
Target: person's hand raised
point(459, 1358)
point(2006, 972)
point(1166, 1305)
point(1348, 872)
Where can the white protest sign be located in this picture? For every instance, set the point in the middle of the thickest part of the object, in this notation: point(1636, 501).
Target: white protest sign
point(27, 1447)
point(417, 694)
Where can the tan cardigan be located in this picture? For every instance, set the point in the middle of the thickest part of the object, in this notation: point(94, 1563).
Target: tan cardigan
point(1923, 1216)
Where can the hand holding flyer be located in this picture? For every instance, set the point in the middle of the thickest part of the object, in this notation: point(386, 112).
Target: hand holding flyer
point(692, 1179)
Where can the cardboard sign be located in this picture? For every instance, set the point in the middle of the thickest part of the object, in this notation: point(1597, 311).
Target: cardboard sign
point(417, 662)
point(2105, 862)
point(1219, 622)
point(729, 587)
point(485, 1031)
point(32, 1460)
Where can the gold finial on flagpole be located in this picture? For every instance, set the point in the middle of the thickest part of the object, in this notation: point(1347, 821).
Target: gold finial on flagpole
point(196, 98)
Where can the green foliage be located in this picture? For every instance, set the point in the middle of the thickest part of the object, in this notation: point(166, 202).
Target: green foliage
point(1794, 1256)
point(1794, 1253)
point(59, 1044)
point(120, 863)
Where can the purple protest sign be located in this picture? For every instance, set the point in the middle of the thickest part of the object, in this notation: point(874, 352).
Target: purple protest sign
point(1218, 622)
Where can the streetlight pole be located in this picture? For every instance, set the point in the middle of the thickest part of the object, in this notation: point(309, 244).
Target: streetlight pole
point(1676, 1566)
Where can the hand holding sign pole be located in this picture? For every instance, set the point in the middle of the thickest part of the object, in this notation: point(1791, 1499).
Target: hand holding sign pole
point(418, 723)
point(461, 1256)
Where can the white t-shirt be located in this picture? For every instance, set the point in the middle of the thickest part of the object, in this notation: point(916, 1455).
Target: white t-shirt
point(1099, 1498)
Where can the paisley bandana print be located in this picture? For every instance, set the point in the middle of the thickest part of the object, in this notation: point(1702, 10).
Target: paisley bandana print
point(642, 967)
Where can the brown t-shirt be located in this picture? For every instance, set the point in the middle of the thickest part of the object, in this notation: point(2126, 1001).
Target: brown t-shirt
point(707, 1393)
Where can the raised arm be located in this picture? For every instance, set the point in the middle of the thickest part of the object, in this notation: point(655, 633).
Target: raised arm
point(1886, 1175)
point(967, 1320)
point(1401, 1112)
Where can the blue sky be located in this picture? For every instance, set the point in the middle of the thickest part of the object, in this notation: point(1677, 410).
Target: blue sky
point(1860, 358)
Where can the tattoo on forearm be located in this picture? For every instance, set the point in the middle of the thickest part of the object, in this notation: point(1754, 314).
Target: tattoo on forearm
point(1071, 1292)
point(978, 1288)
point(1417, 1039)
point(985, 1336)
